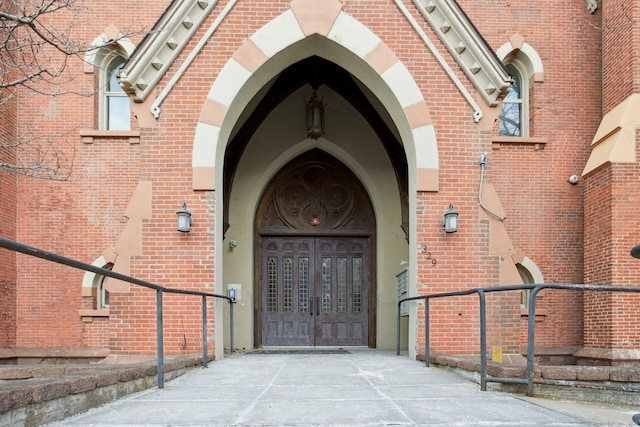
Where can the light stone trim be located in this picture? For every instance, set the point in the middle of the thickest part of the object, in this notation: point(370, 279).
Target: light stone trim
point(533, 63)
point(204, 145)
point(110, 35)
point(467, 48)
point(426, 148)
point(615, 140)
point(89, 277)
point(276, 35)
point(402, 84)
point(350, 34)
point(279, 34)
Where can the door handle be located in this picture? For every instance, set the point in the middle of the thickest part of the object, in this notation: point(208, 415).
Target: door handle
point(317, 306)
point(311, 305)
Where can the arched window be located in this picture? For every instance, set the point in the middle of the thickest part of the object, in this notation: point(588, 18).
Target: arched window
point(102, 297)
point(530, 274)
point(116, 110)
point(512, 116)
point(93, 285)
point(525, 67)
point(108, 55)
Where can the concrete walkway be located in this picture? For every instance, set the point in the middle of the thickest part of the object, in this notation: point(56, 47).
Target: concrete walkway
point(355, 388)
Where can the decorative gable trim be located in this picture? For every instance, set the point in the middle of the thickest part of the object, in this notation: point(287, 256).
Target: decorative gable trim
point(467, 47)
point(160, 48)
point(181, 20)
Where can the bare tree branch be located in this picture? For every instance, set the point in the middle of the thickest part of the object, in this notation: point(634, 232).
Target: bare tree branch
point(38, 54)
point(38, 156)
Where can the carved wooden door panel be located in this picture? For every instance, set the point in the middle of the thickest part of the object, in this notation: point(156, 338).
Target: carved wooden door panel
point(315, 291)
point(288, 317)
point(315, 228)
point(341, 291)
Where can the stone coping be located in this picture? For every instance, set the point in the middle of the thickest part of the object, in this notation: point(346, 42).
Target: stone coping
point(622, 374)
point(25, 388)
point(53, 353)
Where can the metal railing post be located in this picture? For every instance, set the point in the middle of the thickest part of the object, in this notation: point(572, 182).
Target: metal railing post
point(160, 338)
point(205, 344)
point(483, 340)
point(398, 330)
point(231, 332)
point(427, 352)
point(531, 339)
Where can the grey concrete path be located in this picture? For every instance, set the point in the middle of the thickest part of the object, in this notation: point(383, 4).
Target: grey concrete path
point(358, 388)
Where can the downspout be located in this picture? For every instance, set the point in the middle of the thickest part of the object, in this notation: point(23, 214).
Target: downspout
point(477, 111)
point(155, 108)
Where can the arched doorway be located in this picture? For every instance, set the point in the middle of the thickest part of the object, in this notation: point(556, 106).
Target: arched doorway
point(315, 246)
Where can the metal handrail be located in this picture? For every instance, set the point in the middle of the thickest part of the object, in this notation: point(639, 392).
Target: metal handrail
point(160, 290)
point(535, 289)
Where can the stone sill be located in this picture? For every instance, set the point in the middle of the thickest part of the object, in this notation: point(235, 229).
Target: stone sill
point(538, 143)
point(88, 315)
point(88, 135)
point(540, 314)
point(95, 313)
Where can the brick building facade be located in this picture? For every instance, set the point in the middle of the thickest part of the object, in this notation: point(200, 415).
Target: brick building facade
point(311, 230)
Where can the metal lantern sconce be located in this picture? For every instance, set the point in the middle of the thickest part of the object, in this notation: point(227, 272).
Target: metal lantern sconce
point(314, 116)
point(184, 219)
point(450, 219)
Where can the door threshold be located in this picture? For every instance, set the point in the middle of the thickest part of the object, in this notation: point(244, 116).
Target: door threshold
point(315, 347)
point(308, 349)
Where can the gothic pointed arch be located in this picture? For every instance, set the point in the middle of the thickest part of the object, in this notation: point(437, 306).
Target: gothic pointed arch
point(290, 38)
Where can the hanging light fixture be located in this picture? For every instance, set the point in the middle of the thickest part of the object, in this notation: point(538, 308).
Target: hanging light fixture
point(184, 219)
point(450, 219)
point(314, 116)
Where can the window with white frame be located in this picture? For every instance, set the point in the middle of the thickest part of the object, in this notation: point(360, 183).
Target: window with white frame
point(102, 294)
point(514, 115)
point(530, 274)
point(525, 67)
point(94, 285)
point(116, 110)
point(108, 55)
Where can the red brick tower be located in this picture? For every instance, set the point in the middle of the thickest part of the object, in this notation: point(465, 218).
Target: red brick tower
point(612, 223)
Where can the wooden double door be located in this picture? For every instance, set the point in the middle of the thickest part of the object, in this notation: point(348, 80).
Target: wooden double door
point(315, 291)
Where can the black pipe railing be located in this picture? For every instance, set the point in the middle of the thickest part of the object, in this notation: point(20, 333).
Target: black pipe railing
point(481, 292)
point(160, 290)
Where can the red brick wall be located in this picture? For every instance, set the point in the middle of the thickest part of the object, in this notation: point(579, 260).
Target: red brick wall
point(611, 199)
point(83, 216)
point(8, 190)
point(621, 56)
point(544, 212)
point(611, 320)
point(79, 218)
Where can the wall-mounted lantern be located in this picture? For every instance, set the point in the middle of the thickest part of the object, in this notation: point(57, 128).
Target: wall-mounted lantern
point(450, 220)
point(184, 219)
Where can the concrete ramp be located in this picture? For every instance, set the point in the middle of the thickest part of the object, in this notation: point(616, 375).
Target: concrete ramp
point(346, 388)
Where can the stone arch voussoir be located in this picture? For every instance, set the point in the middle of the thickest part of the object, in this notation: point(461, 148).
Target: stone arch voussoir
point(303, 19)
